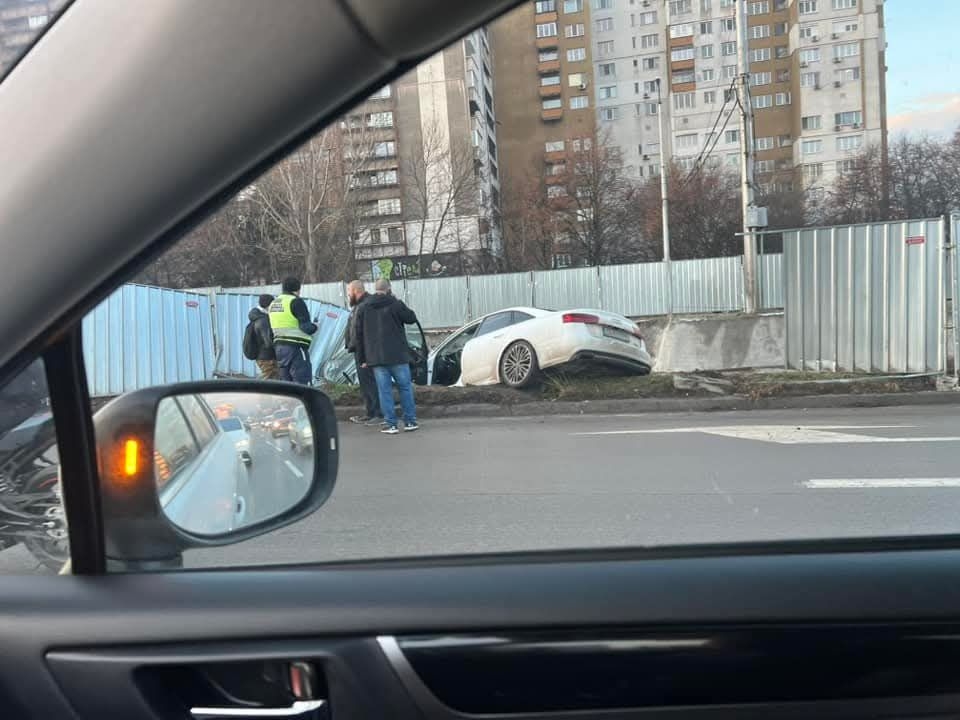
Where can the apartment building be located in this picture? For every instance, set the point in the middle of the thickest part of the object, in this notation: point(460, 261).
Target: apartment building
point(20, 23)
point(429, 181)
point(545, 88)
point(817, 83)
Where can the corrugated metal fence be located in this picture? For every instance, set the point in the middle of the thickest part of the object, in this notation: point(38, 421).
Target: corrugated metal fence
point(865, 297)
point(699, 286)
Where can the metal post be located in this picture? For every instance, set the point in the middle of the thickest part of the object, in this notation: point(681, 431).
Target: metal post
point(665, 203)
point(746, 160)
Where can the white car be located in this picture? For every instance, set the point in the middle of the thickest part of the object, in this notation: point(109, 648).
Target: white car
point(234, 429)
point(512, 346)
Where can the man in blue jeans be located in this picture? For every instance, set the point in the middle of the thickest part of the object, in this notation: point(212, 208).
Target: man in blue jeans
point(381, 343)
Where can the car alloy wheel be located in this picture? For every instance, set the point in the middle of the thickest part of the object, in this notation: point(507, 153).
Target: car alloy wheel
point(519, 367)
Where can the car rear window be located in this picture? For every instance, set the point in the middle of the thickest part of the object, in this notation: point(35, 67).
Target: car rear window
point(231, 423)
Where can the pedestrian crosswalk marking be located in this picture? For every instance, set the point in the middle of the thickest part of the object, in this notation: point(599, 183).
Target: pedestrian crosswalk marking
point(792, 434)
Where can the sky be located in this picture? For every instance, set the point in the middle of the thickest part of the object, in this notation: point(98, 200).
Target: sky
point(923, 61)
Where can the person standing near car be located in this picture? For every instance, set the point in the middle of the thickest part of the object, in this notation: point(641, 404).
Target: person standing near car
point(381, 344)
point(356, 296)
point(292, 332)
point(258, 340)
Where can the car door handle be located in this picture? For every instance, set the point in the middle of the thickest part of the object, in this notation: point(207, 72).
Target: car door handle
point(300, 707)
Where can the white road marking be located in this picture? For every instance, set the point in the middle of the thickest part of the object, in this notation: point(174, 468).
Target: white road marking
point(791, 434)
point(842, 483)
point(276, 446)
point(294, 469)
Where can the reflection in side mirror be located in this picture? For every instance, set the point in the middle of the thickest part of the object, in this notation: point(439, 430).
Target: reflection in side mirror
point(209, 463)
point(214, 475)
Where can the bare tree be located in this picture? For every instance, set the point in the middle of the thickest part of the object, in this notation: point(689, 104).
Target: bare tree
point(530, 226)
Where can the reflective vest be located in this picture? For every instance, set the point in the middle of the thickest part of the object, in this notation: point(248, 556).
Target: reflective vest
point(286, 327)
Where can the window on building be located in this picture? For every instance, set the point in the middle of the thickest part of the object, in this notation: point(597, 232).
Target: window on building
point(761, 78)
point(385, 149)
point(648, 18)
point(553, 146)
point(808, 31)
point(727, 3)
point(728, 48)
point(545, 6)
point(607, 69)
point(683, 53)
point(781, 98)
point(683, 76)
point(546, 29)
point(680, 7)
point(728, 25)
point(650, 86)
point(781, 28)
point(845, 26)
point(574, 30)
point(729, 72)
point(846, 50)
point(706, 51)
point(381, 94)
point(783, 76)
point(388, 206)
point(35, 22)
point(761, 102)
point(759, 31)
point(709, 97)
point(705, 8)
point(579, 102)
point(731, 136)
point(562, 260)
point(576, 79)
point(604, 25)
point(729, 95)
point(811, 122)
point(380, 119)
point(811, 147)
point(608, 114)
point(650, 108)
point(551, 103)
point(851, 117)
point(844, 4)
point(384, 177)
point(651, 63)
point(603, 4)
point(812, 171)
point(708, 75)
point(810, 80)
point(706, 28)
point(547, 80)
point(807, 7)
point(847, 74)
point(849, 143)
point(760, 54)
point(764, 143)
point(810, 55)
point(681, 30)
point(604, 48)
point(759, 8)
point(554, 169)
point(763, 166)
point(547, 55)
point(649, 41)
point(576, 54)
point(608, 92)
point(845, 166)
point(785, 141)
point(556, 191)
point(684, 101)
point(781, 51)
point(572, 6)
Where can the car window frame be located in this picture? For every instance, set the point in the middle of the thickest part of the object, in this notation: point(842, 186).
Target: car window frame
point(471, 329)
point(508, 314)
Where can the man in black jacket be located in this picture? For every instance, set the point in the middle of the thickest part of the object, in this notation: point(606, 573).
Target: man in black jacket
point(381, 344)
point(356, 296)
point(267, 356)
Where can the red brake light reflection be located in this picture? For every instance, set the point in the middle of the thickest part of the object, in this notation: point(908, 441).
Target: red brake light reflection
point(585, 318)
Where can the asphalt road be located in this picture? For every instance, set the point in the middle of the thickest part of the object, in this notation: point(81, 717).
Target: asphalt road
point(484, 485)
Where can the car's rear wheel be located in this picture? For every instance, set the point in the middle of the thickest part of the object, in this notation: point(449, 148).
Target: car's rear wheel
point(518, 365)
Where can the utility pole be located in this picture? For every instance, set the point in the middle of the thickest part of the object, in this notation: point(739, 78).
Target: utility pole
point(752, 216)
point(665, 203)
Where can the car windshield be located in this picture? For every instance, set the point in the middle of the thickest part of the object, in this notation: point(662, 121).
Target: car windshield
point(742, 215)
point(231, 423)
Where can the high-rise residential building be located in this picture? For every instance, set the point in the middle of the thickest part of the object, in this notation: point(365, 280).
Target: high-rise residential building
point(543, 67)
point(817, 73)
point(20, 23)
point(429, 180)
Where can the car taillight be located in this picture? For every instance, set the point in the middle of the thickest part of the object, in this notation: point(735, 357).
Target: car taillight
point(584, 318)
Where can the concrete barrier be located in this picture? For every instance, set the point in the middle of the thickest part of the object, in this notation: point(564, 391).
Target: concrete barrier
point(716, 342)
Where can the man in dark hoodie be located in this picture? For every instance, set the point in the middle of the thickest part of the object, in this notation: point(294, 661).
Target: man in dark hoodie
point(381, 344)
point(357, 295)
point(266, 355)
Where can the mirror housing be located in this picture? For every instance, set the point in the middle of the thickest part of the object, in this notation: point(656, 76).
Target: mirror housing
point(138, 534)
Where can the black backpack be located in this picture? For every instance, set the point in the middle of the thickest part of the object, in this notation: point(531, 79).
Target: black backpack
point(251, 341)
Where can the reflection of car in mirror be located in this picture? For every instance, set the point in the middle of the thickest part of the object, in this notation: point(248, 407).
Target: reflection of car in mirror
point(301, 431)
point(237, 431)
point(280, 423)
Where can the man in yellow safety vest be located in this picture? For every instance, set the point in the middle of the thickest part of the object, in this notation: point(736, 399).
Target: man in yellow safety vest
point(292, 333)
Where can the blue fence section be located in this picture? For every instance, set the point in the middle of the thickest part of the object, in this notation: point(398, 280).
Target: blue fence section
point(142, 336)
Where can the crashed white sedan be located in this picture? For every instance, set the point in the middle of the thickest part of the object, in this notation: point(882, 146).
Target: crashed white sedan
point(514, 345)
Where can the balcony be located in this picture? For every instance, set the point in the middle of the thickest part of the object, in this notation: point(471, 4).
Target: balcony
point(550, 66)
point(552, 114)
point(547, 42)
point(550, 90)
point(556, 156)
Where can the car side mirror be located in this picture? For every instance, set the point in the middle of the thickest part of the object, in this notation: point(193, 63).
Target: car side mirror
point(179, 470)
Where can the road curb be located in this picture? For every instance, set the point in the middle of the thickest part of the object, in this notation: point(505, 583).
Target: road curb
point(677, 405)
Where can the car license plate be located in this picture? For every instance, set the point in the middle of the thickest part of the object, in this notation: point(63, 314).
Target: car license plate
point(617, 334)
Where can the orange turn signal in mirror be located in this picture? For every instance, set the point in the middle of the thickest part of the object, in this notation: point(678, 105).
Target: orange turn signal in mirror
point(131, 457)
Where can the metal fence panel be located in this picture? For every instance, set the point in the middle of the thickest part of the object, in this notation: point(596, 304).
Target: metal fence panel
point(567, 289)
point(439, 302)
point(637, 289)
point(865, 297)
point(332, 293)
point(954, 286)
point(142, 336)
point(489, 293)
point(771, 281)
point(707, 285)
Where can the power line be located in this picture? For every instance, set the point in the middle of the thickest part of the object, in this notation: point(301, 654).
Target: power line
point(714, 134)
